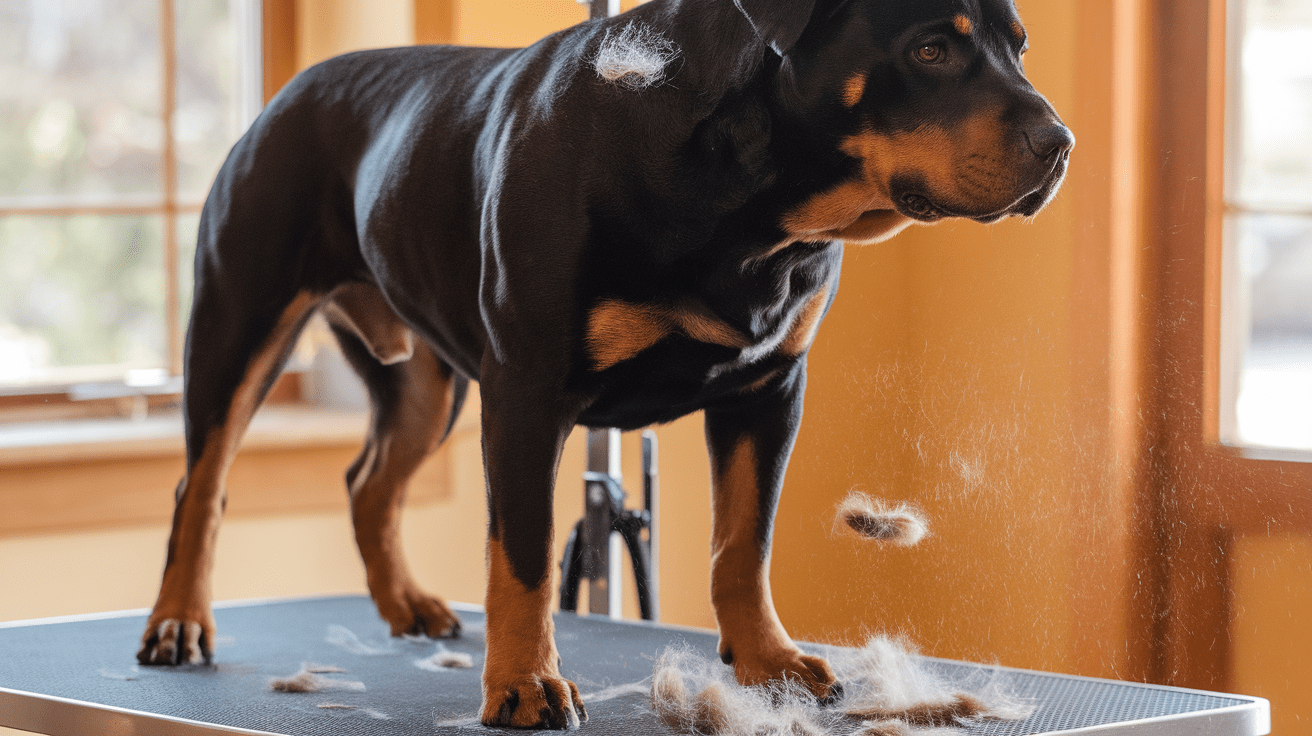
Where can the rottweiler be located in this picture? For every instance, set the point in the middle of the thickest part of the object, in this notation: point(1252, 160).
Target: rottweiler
point(633, 219)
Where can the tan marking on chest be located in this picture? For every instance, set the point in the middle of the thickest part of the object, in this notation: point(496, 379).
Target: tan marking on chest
point(963, 25)
point(802, 333)
point(854, 89)
point(619, 330)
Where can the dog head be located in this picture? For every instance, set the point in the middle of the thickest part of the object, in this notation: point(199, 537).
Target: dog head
point(930, 105)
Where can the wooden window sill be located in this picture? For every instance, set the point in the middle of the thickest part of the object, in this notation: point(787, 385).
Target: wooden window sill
point(276, 427)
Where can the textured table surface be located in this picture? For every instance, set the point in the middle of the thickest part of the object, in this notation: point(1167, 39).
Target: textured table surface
point(80, 677)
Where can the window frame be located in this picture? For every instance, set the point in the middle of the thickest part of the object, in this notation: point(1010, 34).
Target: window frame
point(1196, 495)
point(168, 205)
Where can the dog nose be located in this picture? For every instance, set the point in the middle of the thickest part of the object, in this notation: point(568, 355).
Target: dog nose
point(1050, 140)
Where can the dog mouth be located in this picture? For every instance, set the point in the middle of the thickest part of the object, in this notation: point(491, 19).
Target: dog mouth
point(920, 207)
point(917, 205)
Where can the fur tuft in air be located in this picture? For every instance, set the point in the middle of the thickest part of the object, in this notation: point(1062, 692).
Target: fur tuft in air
point(903, 525)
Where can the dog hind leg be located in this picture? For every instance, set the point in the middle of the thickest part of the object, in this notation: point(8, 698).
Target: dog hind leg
point(236, 348)
point(415, 401)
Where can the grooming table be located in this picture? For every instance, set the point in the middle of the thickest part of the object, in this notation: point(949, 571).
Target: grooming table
point(77, 676)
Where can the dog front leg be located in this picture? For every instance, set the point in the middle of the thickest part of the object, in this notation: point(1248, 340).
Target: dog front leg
point(749, 443)
point(522, 439)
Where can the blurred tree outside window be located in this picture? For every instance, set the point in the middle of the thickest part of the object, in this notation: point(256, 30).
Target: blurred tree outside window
point(1267, 297)
point(116, 116)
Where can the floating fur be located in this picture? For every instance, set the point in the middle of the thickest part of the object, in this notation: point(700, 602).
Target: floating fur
point(634, 58)
point(903, 525)
point(306, 681)
point(889, 692)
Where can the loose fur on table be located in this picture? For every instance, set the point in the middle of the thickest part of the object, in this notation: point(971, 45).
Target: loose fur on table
point(310, 681)
point(445, 659)
point(903, 525)
point(889, 692)
point(634, 58)
point(345, 639)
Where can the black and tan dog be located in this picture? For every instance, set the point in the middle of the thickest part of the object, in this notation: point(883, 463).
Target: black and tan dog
point(631, 220)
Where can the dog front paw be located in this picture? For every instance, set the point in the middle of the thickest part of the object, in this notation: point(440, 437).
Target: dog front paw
point(416, 613)
point(173, 641)
point(789, 666)
point(545, 701)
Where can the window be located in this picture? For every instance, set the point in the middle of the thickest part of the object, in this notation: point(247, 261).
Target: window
point(1267, 323)
point(114, 119)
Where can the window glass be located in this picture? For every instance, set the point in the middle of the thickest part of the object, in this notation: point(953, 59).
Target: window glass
point(207, 118)
point(86, 222)
point(1268, 232)
point(80, 103)
point(82, 297)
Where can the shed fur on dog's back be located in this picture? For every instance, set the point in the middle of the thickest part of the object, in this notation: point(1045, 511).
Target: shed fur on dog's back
point(635, 57)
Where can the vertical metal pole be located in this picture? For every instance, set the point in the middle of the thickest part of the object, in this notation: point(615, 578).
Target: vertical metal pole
point(651, 502)
point(603, 569)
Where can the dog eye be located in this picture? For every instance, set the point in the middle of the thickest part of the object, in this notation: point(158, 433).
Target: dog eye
point(931, 53)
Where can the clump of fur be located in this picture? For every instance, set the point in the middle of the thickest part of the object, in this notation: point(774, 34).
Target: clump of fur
point(634, 58)
point(445, 659)
point(903, 525)
point(695, 695)
point(889, 692)
point(308, 681)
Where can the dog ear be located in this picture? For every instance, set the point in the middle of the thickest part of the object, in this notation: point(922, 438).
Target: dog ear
point(779, 23)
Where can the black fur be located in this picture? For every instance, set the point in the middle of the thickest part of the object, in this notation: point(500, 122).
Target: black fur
point(496, 196)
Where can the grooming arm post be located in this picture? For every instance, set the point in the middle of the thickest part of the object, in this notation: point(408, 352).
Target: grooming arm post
point(601, 553)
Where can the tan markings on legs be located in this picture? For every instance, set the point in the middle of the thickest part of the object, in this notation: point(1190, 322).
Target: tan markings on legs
point(521, 678)
point(362, 309)
point(184, 597)
point(802, 333)
point(618, 330)
point(963, 25)
point(402, 436)
point(751, 635)
point(854, 89)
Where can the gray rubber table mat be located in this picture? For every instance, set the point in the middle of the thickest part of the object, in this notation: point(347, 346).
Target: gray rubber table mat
point(80, 677)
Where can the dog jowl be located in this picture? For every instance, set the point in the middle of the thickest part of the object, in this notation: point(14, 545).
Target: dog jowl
point(632, 220)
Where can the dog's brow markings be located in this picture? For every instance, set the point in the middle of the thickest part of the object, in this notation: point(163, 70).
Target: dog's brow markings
point(1018, 30)
point(854, 89)
point(963, 25)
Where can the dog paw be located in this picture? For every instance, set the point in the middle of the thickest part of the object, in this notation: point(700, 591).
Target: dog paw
point(534, 702)
point(416, 613)
point(173, 641)
point(813, 673)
